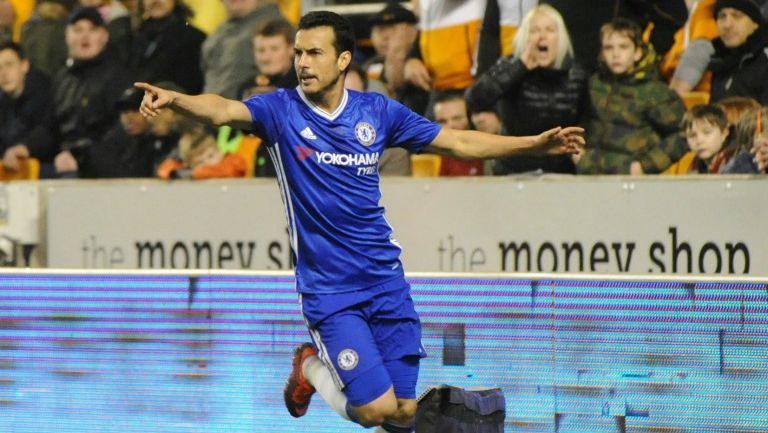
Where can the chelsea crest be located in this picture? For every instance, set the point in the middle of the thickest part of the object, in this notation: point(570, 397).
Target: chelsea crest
point(365, 133)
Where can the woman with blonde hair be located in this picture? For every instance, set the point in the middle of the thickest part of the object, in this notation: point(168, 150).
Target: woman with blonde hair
point(538, 87)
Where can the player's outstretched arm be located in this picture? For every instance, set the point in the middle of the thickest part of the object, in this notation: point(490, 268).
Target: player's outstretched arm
point(207, 108)
point(480, 145)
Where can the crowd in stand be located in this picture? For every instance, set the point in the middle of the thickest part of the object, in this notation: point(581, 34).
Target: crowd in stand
point(661, 87)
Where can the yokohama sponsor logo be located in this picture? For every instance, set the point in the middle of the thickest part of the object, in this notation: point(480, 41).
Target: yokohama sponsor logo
point(347, 159)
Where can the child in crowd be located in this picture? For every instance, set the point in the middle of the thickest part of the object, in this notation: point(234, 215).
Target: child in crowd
point(199, 157)
point(750, 144)
point(706, 130)
point(636, 117)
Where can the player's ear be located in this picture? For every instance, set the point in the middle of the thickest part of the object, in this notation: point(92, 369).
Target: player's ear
point(344, 60)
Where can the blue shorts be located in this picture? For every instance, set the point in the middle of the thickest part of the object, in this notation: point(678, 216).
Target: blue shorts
point(370, 340)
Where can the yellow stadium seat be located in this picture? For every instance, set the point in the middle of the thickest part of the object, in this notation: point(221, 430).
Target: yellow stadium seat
point(691, 99)
point(29, 170)
point(248, 147)
point(426, 165)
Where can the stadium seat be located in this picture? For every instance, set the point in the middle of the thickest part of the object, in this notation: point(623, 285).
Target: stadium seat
point(691, 99)
point(425, 165)
point(30, 170)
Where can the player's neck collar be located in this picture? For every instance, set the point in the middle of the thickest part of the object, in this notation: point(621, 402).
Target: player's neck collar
point(319, 111)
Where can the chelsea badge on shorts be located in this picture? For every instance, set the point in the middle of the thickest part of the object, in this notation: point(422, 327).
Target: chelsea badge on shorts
point(365, 133)
point(347, 359)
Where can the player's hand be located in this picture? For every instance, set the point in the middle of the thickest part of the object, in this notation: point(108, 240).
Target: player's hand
point(558, 141)
point(417, 73)
point(14, 155)
point(155, 99)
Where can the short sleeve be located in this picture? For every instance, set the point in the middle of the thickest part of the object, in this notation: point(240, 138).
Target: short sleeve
point(408, 129)
point(264, 113)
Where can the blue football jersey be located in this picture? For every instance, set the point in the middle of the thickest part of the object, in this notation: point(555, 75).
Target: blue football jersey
point(327, 169)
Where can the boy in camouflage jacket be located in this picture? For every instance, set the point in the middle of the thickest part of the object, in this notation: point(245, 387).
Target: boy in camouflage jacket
point(635, 126)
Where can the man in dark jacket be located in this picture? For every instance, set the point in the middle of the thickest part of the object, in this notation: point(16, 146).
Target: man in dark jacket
point(166, 48)
point(130, 148)
point(25, 109)
point(740, 63)
point(85, 90)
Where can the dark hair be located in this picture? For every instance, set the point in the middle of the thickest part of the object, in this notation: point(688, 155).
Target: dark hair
point(711, 113)
point(277, 27)
point(344, 34)
point(13, 46)
point(449, 95)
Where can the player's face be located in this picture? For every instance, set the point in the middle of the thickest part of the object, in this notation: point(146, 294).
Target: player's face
point(13, 71)
point(273, 54)
point(734, 27)
point(318, 66)
point(620, 53)
point(705, 139)
point(86, 40)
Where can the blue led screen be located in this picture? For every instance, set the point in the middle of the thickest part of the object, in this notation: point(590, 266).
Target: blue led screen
point(164, 353)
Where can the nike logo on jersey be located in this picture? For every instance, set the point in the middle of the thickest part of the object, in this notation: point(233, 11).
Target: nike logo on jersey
point(308, 134)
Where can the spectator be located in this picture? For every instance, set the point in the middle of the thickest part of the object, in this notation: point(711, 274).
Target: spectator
point(448, 41)
point(740, 62)
point(706, 131)
point(539, 88)
point(25, 109)
point(637, 117)
point(42, 37)
point(7, 20)
point(451, 112)
point(273, 55)
point(227, 54)
point(393, 33)
point(85, 90)
point(750, 144)
point(685, 65)
point(117, 20)
point(660, 18)
point(166, 47)
point(202, 159)
point(127, 149)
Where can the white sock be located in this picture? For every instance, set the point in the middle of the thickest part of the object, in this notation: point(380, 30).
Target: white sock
point(316, 372)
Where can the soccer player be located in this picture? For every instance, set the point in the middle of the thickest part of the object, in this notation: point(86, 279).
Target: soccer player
point(326, 142)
